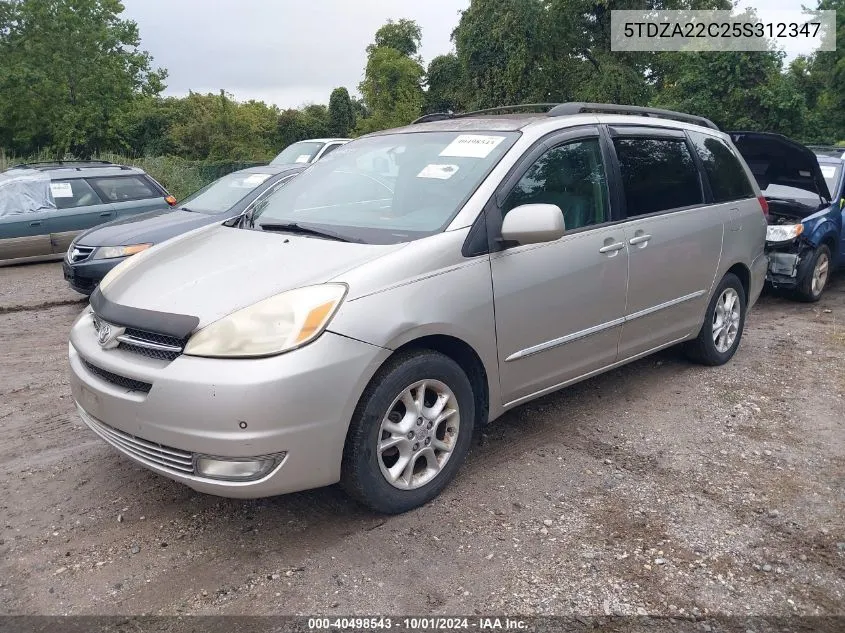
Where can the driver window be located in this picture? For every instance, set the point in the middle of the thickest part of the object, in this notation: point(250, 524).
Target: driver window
point(571, 176)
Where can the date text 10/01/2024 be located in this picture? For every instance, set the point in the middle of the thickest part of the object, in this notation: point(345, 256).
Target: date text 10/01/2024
point(421, 624)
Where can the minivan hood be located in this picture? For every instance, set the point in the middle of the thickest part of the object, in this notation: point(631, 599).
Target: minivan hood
point(218, 270)
point(776, 160)
point(147, 228)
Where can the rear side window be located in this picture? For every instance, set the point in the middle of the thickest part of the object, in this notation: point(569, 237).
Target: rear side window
point(724, 171)
point(124, 188)
point(70, 194)
point(657, 175)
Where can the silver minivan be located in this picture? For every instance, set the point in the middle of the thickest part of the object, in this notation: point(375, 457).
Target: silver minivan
point(413, 286)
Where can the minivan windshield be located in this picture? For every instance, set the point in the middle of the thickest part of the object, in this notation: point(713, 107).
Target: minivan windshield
point(389, 188)
point(303, 152)
point(224, 193)
point(831, 176)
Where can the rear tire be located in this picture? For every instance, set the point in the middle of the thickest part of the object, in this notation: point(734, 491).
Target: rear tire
point(818, 274)
point(399, 456)
point(724, 323)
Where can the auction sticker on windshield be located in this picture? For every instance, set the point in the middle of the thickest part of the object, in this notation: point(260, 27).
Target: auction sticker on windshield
point(439, 172)
point(472, 146)
point(61, 190)
point(304, 158)
point(828, 171)
point(255, 179)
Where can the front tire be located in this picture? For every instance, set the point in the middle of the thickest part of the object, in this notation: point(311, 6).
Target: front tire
point(724, 323)
point(818, 272)
point(410, 433)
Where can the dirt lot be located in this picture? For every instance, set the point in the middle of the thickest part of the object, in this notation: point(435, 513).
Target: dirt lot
point(660, 488)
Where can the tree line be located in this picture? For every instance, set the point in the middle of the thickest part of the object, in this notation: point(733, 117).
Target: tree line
point(74, 80)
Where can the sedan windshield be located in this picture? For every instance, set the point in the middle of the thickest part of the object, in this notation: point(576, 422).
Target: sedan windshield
point(298, 153)
point(390, 188)
point(224, 193)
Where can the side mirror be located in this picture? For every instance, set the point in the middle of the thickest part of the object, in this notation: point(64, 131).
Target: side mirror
point(533, 224)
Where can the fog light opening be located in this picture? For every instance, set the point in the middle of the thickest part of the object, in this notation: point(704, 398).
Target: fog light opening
point(236, 468)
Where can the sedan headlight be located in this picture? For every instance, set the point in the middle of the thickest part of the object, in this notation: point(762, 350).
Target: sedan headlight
point(783, 232)
point(110, 252)
point(272, 326)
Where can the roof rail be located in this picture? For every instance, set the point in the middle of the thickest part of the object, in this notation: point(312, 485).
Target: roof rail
point(575, 107)
point(69, 162)
point(442, 116)
point(827, 148)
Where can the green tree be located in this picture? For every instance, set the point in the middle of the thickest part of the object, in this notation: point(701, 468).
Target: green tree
point(404, 36)
point(824, 76)
point(737, 90)
point(69, 69)
point(392, 86)
point(341, 113)
point(445, 82)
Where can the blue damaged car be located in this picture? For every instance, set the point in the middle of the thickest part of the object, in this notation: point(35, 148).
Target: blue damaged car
point(805, 236)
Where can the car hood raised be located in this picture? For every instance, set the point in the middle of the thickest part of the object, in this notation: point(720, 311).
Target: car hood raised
point(218, 270)
point(776, 160)
point(147, 228)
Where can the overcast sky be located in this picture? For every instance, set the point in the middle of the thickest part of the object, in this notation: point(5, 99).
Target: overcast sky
point(288, 52)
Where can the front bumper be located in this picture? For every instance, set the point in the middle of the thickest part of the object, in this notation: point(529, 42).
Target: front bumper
point(789, 264)
point(298, 404)
point(84, 276)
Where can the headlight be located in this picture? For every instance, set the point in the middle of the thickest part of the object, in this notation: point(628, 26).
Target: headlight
point(110, 252)
point(278, 324)
point(783, 232)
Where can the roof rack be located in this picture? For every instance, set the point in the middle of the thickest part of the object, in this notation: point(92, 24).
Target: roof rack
point(443, 116)
point(78, 165)
point(575, 107)
point(565, 109)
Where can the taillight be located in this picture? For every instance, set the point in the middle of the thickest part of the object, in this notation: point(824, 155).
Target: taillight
point(764, 205)
point(170, 200)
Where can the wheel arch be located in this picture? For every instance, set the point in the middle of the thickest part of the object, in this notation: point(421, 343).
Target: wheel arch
point(743, 273)
point(467, 359)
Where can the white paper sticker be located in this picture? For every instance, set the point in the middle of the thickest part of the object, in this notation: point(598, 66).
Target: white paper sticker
point(304, 158)
point(804, 174)
point(828, 171)
point(61, 190)
point(472, 146)
point(439, 172)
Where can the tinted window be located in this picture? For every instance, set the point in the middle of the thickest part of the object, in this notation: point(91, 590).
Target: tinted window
point(571, 177)
point(724, 171)
point(70, 194)
point(657, 174)
point(123, 188)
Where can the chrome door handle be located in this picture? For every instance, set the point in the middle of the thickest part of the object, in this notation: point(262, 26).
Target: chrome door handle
point(612, 248)
point(640, 239)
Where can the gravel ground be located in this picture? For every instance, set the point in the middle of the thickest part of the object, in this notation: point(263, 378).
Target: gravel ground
point(659, 488)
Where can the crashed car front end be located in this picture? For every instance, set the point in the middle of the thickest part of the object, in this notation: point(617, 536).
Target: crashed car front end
point(789, 253)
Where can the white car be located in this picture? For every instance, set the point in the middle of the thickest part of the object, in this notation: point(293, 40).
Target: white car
point(309, 151)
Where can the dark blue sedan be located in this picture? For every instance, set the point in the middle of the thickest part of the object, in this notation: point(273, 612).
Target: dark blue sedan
point(94, 253)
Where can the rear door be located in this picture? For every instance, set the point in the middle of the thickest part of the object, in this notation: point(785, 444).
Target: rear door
point(78, 207)
point(674, 237)
point(129, 194)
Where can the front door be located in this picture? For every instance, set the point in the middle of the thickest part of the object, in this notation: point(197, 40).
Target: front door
point(559, 305)
point(674, 239)
point(24, 235)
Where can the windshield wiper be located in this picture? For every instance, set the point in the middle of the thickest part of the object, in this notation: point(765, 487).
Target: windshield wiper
point(295, 227)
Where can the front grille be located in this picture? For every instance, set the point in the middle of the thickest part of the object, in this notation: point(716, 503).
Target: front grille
point(116, 379)
point(78, 254)
point(172, 459)
point(149, 344)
